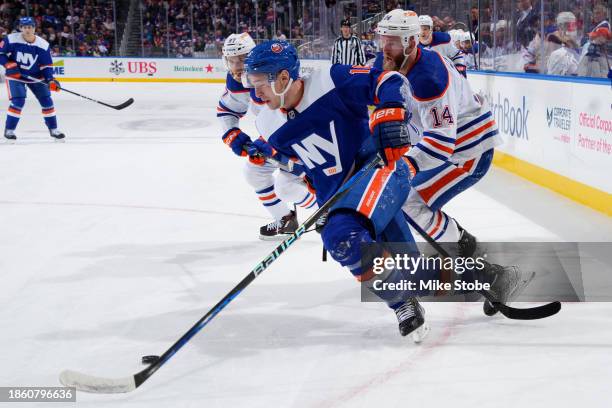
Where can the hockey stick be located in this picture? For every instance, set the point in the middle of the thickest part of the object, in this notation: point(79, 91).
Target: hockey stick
point(89, 383)
point(123, 105)
point(533, 313)
point(471, 28)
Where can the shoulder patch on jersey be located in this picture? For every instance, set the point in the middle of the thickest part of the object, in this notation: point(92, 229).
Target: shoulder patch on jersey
point(232, 85)
point(439, 38)
point(429, 78)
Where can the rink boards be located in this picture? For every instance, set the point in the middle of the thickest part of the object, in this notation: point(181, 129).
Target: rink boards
point(557, 131)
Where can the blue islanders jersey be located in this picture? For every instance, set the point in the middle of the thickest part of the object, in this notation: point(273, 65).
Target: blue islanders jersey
point(34, 59)
point(234, 103)
point(328, 128)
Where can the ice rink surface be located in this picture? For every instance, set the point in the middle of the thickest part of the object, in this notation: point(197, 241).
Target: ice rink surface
point(115, 242)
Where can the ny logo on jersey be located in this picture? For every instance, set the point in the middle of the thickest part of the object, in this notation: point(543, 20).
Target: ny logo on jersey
point(26, 60)
point(310, 152)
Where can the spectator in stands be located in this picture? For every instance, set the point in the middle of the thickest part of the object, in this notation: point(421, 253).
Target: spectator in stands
point(593, 61)
point(561, 46)
point(449, 23)
point(474, 18)
point(527, 24)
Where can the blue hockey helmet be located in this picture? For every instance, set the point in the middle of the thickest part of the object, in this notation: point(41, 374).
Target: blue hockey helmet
point(27, 21)
point(272, 57)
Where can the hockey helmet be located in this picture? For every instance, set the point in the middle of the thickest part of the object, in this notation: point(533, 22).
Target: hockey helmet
point(271, 57)
point(425, 20)
point(27, 21)
point(399, 23)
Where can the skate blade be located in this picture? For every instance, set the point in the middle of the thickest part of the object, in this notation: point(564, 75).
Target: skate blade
point(62, 140)
point(10, 141)
point(419, 334)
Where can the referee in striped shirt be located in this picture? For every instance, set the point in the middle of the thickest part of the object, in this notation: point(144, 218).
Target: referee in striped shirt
point(347, 48)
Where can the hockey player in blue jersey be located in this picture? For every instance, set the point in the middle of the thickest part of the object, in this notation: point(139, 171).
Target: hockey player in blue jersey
point(27, 59)
point(321, 120)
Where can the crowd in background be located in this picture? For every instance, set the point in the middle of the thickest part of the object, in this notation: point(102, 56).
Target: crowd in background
point(570, 37)
point(72, 27)
point(557, 37)
point(184, 28)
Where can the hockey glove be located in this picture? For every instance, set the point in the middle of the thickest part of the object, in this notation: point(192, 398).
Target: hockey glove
point(237, 140)
point(12, 70)
point(390, 132)
point(54, 85)
point(260, 150)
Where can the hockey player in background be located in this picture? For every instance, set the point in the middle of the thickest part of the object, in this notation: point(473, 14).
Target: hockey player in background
point(274, 192)
point(322, 121)
point(441, 42)
point(27, 59)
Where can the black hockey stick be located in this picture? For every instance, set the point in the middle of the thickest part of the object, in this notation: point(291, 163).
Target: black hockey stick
point(117, 107)
point(533, 313)
point(472, 39)
point(89, 383)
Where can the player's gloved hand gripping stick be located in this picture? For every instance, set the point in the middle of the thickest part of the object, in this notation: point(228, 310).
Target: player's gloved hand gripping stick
point(55, 84)
point(84, 382)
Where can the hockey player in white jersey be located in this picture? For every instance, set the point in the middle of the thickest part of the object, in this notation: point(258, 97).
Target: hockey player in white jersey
point(274, 191)
point(457, 129)
point(441, 42)
point(458, 134)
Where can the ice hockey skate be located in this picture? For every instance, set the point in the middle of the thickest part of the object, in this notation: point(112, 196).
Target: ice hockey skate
point(10, 136)
point(411, 319)
point(57, 134)
point(507, 284)
point(278, 230)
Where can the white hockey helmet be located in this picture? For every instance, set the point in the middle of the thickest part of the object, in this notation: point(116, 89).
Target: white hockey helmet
point(238, 44)
point(467, 36)
point(235, 45)
point(456, 35)
point(400, 23)
point(425, 20)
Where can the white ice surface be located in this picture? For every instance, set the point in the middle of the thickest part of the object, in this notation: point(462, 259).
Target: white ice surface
point(114, 243)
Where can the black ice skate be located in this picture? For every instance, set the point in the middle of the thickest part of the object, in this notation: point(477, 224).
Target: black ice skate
point(279, 229)
point(411, 318)
point(507, 283)
point(58, 135)
point(9, 134)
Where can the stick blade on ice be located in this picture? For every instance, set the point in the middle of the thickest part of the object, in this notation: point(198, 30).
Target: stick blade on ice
point(125, 104)
point(100, 385)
